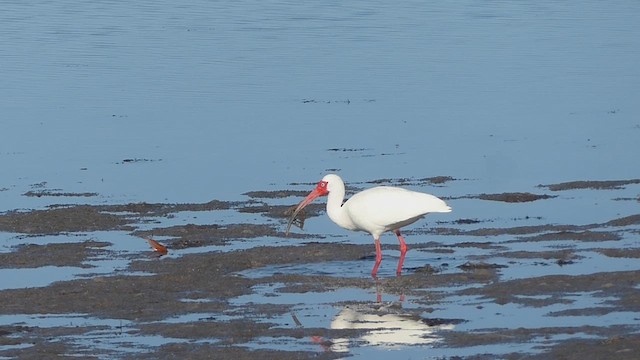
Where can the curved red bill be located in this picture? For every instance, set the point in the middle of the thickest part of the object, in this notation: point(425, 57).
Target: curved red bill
point(320, 190)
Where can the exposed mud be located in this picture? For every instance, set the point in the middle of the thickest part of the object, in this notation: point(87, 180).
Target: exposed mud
point(207, 285)
point(595, 185)
point(513, 197)
point(33, 255)
point(57, 192)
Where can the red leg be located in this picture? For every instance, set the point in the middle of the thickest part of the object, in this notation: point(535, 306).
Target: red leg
point(403, 252)
point(374, 272)
point(378, 292)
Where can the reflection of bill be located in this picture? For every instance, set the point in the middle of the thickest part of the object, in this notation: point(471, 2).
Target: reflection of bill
point(388, 329)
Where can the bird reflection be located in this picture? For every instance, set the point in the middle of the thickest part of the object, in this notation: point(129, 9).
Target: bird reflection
point(386, 325)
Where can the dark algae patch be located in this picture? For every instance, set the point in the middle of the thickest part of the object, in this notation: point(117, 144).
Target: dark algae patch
point(513, 197)
point(63, 219)
point(33, 255)
point(40, 193)
point(591, 184)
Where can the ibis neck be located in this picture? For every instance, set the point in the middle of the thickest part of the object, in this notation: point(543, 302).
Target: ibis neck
point(336, 211)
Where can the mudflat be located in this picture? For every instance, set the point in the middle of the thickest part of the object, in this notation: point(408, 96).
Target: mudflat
point(146, 299)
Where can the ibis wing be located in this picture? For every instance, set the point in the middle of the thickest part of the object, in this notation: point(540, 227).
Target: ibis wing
point(389, 208)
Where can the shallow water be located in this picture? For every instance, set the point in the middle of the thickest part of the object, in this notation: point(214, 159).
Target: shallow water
point(107, 103)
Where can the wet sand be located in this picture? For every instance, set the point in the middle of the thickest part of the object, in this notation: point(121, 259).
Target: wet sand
point(152, 289)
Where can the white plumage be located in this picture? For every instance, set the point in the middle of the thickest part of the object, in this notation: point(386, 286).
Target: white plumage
point(386, 208)
point(375, 210)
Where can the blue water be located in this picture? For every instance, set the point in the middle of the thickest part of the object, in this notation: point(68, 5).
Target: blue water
point(164, 101)
point(227, 97)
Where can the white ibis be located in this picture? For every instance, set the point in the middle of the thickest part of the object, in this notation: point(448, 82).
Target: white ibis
point(375, 210)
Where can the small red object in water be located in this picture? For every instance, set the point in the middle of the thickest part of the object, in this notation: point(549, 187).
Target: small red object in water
point(156, 246)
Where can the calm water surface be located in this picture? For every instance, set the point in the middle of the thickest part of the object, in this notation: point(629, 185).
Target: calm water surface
point(223, 97)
